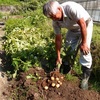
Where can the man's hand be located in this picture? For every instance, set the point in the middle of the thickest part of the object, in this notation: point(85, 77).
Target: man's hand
point(84, 48)
point(58, 61)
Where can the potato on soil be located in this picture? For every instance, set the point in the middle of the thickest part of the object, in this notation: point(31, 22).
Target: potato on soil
point(46, 87)
point(45, 84)
point(55, 75)
point(57, 85)
point(52, 78)
point(53, 84)
point(60, 82)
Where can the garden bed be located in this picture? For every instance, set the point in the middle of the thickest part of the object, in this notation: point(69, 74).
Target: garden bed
point(27, 86)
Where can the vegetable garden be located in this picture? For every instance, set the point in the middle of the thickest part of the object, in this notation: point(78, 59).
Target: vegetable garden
point(29, 44)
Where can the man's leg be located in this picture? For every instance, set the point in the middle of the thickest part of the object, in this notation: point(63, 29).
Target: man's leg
point(71, 48)
point(86, 75)
point(86, 60)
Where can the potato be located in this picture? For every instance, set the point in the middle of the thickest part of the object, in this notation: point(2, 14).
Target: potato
point(52, 78)
point(57, 79)
point(60, 82)
point(46, 87)
point(57, 85)
point(53, 84)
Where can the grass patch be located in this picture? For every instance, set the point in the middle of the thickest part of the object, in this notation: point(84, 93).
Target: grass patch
point(9, 2)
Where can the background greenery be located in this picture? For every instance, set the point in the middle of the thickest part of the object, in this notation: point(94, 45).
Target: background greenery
point(29, 40)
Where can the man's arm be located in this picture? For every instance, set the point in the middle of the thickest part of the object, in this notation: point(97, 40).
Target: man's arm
point(84, 48)
point(58, 42)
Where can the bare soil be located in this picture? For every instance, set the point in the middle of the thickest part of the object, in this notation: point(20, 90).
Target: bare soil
point(30, 88)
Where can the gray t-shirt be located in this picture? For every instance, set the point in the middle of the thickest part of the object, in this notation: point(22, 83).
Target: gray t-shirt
point(72, 12)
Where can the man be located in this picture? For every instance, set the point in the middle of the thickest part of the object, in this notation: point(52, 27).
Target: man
point(76, 19)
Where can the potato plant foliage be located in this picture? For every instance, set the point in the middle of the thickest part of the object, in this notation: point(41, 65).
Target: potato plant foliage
point(28, 42)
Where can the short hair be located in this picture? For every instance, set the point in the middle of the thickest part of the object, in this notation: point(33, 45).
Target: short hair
point(50, 8)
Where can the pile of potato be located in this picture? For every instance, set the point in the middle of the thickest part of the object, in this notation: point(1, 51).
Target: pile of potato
point(55, 79)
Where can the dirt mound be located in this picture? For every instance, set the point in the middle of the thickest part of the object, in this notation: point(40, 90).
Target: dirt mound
point(28, 86)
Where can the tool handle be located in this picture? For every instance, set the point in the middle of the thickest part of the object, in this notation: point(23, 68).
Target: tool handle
point(58, 66)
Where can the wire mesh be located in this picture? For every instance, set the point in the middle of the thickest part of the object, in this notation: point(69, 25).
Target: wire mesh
point(92, 6)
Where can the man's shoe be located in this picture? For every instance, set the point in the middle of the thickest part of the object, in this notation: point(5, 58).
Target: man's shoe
point(86, 76)
point(84, 84)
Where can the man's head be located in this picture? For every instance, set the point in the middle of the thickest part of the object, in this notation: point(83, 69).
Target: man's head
point(52, 9)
